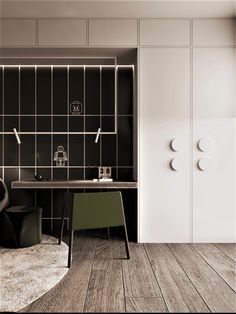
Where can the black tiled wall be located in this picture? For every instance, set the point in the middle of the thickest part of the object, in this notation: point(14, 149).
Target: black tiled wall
point(37, 99)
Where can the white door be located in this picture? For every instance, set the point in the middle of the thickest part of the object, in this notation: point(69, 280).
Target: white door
point(164, 212)
point(214, 161)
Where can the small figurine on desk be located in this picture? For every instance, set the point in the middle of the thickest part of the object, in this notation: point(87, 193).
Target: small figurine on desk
point(60, 156)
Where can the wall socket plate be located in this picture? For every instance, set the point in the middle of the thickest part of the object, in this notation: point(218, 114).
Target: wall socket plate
point(104, 172)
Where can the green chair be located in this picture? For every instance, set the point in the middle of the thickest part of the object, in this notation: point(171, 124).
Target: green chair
point(91, 211)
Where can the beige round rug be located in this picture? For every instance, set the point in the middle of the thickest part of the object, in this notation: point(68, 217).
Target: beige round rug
point(26, 274)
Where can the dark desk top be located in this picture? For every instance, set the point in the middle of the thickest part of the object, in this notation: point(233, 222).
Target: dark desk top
point(72, 184)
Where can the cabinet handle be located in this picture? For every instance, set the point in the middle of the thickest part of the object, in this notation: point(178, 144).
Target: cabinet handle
point(174, 145)
point(175, 164)
point(205, 164)
point(205, 144)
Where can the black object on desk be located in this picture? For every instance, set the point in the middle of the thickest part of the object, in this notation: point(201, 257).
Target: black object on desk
point(39, 177)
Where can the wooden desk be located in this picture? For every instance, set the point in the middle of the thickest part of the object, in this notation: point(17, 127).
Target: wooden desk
point(86, 184)
point(72, 184)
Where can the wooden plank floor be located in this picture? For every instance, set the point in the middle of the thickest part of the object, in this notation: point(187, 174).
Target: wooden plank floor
point(190, 278)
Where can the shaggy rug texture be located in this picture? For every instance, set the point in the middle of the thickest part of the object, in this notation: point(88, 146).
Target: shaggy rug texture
point(28, 273)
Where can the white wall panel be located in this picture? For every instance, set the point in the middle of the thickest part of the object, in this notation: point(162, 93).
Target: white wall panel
point(164, 115)
point(62, 32)
point(16, 32)
point(164, 32)
point(214, 32)
point(113, 32)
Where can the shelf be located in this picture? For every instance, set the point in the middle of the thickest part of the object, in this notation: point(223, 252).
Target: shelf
point(72, 184)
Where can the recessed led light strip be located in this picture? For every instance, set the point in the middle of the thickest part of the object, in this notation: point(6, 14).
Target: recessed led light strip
point(69, 65)
point(57, 133)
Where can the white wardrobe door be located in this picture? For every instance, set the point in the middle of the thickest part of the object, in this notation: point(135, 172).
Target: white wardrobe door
point(164, 214)
point(214, 160)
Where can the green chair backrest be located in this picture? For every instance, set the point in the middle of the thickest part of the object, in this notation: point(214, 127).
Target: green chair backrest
point(97, 210)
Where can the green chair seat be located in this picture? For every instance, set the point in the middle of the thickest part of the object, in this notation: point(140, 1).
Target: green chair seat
point(94, 210)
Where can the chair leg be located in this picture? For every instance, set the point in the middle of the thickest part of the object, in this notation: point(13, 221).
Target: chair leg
point(108, 233)
point(70, 247)
point(126, 242)
point(62, 224)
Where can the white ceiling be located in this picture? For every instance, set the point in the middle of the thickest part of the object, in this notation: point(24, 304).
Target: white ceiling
point(118, 9)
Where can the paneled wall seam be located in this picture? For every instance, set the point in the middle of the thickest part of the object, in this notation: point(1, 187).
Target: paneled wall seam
point(138, 142)
point(68, 122)
point(35, 119)
point(52, 152)
point(191, 131)
point(36, 32)
point(87, 32)
point(117, 126)
point(19, 121)
point(138, 32)
point(84, 125)
point(3, 136)
point(100, 118)
point(35, 128)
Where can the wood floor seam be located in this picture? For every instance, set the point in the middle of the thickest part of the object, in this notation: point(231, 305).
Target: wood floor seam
point(155, 277)
point(189, 279)
point(144, 297)
point(123, 284)
point(216, 246)
point(213, 269)
point(218, 296)
point(90, 276)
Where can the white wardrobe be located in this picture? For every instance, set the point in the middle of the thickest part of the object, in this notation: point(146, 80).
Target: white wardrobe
point(187, 131)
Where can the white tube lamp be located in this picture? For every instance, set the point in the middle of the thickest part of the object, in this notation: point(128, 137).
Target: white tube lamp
point(17, 136)
point(97, 136)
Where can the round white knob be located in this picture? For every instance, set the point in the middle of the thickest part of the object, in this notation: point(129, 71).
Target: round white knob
point(175, 164)
point(205, 144)
point(175, 145)
point(205, 164)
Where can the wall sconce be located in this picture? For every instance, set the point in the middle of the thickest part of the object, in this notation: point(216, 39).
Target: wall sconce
point(17, 136)
point(97, 136)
